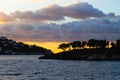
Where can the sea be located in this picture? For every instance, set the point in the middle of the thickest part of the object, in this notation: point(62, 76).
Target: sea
point(29, 67)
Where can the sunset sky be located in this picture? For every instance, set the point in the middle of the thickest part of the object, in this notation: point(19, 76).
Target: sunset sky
point(47, 23)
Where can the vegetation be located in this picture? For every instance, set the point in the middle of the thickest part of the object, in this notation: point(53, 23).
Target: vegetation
point(92, 43)
point(88, 50)
point(8, 46)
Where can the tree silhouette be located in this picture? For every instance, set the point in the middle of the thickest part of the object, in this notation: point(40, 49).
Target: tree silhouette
point(69, 46)
point(93, 43)
point(103, 43)
point(108, 44)
point(84, 43)
point(118, 43)
point(63, 46)
point(76, 44)
point(113, 44)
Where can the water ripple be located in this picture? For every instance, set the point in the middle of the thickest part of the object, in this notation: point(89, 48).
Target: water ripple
point(33, 69)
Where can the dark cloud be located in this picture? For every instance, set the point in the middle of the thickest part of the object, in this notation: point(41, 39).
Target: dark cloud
point(56, 13)
point(35, 16)
point(101, 28)
point(82, 10)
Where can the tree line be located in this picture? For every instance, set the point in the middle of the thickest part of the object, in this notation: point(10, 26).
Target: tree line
point(92, 43)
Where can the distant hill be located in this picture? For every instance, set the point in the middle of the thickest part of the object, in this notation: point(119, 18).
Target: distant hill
point(11, 47)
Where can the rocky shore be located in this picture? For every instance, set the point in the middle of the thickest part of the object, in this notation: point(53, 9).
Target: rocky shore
point(86, 54)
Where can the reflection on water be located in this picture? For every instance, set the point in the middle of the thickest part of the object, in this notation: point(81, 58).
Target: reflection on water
point(30, 68)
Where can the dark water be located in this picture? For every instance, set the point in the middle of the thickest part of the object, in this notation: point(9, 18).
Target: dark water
point(30, 68)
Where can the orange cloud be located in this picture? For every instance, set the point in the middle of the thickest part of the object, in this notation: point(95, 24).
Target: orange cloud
point(5, 18)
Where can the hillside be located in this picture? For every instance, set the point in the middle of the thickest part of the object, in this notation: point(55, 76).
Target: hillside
point(11, 47)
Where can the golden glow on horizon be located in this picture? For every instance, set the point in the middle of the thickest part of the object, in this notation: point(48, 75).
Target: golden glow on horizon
point(2, 22)
point(5, 18)
point(49, 45)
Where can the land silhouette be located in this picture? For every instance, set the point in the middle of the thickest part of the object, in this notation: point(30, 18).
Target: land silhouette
point(92, 49)
point(11, 47)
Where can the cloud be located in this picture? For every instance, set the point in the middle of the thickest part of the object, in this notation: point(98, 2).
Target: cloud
point(57, 13)
point(82, 10)
point(30, 26)
point(5, 18)
point(101, 28)
point(54, 13)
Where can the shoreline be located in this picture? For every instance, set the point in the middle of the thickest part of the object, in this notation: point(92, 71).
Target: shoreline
point(86, 54)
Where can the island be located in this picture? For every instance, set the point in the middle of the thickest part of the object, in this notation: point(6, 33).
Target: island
point(11, 47)
point(92, 49)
